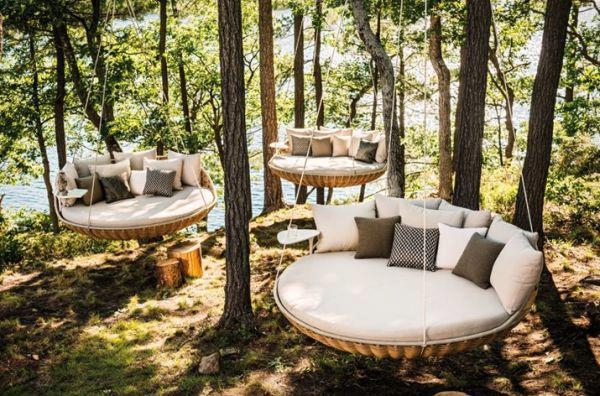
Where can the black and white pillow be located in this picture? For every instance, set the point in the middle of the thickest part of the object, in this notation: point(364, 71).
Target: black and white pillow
point(159, 182)
point(412, 245)
point(300, 145)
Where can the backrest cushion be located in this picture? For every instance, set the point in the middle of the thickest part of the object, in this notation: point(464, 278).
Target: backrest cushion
point(453, 242)
point(414, 247)
point(381, 154)
point(341, 145)
point(516, 272)
point(300, 144)
point(111, 170)
point(81, 165)
point(473, 218)
point(477, 260)
point(416, 216)
point(501, 231)
point(94, 190)
point(137, 181)
point(175, 164)
point(136, 157)
point(321, 146)
point(375, 237)
point(337, 226)
point(192, 165)
point(388, 206)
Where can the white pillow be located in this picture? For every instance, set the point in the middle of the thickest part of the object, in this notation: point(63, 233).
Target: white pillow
point(501, 231)
point(81, 165)
point(137, 181)
point(337, 226)
point(111, 170)
point(136, 157)
point(452, 244)
point(473, 218)
point(175, 164)
point(341, 145)
point(192, 163)
point(388, 206)
point(516, 272)
point(381, 153)
point(416, 216)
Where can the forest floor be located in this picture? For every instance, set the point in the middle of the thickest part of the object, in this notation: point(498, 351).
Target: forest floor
point(98, 324)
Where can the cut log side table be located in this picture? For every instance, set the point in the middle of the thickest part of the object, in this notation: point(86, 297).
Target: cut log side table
point(168, 273)
point(189, 255)
point(290, 237)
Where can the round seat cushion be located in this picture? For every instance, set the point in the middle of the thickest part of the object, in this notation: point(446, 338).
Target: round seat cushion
point(142, 210)
point(364, 300)
point(325, 166)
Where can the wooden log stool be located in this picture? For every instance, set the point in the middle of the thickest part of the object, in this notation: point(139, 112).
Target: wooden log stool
point(168, 273)
point(190, 256)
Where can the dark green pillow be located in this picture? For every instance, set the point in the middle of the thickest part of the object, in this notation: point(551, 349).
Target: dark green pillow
point(366, 151)
point(477, 260)
point(116, 188)
point(375, 236)
point(94, 190)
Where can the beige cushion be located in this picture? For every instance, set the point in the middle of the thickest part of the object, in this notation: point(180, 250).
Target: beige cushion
point(324, 166)
point(388, 206)
point(381, 154)
point(473, 218)
point(501, 231)
point(141, 210)
point(321, 146)
point(337, 226)
point(136, 157)
point(192, 164)
point(137, 181)
point(516, 272)
point(175, 164)
point(363, 299)
point(94, 193)
point(452, 243)
point(82, 165)
point(416, 216)
point(341, 145)
point(112, 170)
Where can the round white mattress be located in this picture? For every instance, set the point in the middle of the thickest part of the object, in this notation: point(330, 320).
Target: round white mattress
point(325, 166)
point(365, 300)
point(141, 210)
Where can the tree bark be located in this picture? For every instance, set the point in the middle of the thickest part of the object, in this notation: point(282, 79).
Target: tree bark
point(395, 174)
point(445, 128)
point(272, 184)
point(59, 99)
point(238, 308)
point(541, 118)
point(164, 72)
point(470, 108)
point(375, 72)
point(183, 90)
point(317, 73)
point(298, 69)
point(572, 59)
point(39, 131)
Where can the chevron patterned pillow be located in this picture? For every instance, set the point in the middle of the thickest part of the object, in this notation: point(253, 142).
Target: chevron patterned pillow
point(159, 182)
point(412, 245)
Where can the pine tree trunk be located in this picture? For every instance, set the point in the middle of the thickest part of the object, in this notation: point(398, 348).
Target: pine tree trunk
point(470, 108)
point(59, 99)
point(445, 128)
point(317, 73)
point(164, 72)
point(541, 117)
point(572, 54)
point(395, 173)
point(238, 308)
point(298, 70)
point(375, 72)
point(272, 184)
point(183, 90)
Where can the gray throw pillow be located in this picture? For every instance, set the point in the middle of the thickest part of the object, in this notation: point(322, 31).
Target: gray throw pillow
point(321, 147)
point(159, 182)
point(375, 237)
point(94, 190)
point(300, 145)
point(408, 249)
point(477, 260)
point(116, 188)
point(366, 151)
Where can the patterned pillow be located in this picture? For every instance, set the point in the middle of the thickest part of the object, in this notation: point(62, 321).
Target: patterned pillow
point(300, 145)
point(407, 250)
point(159, 182)
point(366, 151)
point(116, 188)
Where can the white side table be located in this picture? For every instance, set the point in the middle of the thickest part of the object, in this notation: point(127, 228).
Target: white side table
point(297, 236)
point(73, 193)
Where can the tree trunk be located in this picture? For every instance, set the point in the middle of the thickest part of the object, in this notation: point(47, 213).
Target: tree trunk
point(298, 69)
point(164, 72)
point(272, 184)
point(317, 73)
point(541, 118)
point(183, 91)
point(445, 128)
point(238, 307)
point(354, 104)
point(470, 108)
point(39, 131)
point(374, 71)
point(572, 59)
point(59, 99)
point(395, 174)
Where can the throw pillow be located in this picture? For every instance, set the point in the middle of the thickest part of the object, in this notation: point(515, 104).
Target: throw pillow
point(388, 206)
point(355, 141)
point(414, 247)
point(300, 145)
point(337, 226)
point(66, 179)
point(473, 218)
point(501, 231)
point(82, 165)
point(298, 132)
point(416, 216)
point(321, 146)
point(159, 182)
point(366, 151)
point(516, 272)
point(192, 164)
point(453, 242)
point(375, 237)
point(175, 164)
point(341, 145)
point(477, 260)
point(137, 181)
point(94, 189)
point(136, 158)
point(115, 188)
point(111, 169)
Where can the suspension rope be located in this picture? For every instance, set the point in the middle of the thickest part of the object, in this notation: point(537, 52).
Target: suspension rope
point(424, 275)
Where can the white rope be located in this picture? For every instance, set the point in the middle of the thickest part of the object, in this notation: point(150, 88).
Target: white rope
point(424, 277)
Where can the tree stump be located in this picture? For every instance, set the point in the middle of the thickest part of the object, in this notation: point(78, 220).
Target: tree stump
point(168, 273)
point(190, 256)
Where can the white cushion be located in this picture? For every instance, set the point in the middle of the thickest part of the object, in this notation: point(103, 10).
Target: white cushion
point(137, 181)
point(416, 216)
point(175, 164)
point(452, 244)
point(341, 145)
point(516, 272)
point(337, 226)
point(388, 206)
point(136, 157)
point(366, 300)
point(142, 210)
point(381, 153)
point(81, 165)
point(112, 170)
point(501, 231)
point(473, 218)
point(192, 163)
point(324, 166)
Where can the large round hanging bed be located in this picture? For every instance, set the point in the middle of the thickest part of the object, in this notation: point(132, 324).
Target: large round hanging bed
point(374, 307)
